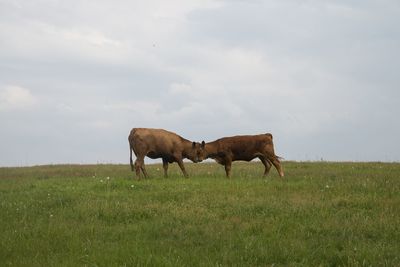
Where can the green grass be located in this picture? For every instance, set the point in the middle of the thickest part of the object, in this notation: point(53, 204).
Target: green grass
point(322, 214)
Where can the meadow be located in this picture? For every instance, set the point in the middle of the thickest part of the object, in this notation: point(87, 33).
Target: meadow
point(321, 214)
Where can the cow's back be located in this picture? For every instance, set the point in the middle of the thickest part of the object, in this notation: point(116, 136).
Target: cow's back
point(244, 147)
point(157, 140)
point(242, 141)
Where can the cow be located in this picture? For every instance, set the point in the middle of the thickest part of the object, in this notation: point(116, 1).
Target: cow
point(243, 147)
point(159, 143)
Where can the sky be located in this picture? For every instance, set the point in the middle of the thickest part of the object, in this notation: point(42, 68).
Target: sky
point(76, 76)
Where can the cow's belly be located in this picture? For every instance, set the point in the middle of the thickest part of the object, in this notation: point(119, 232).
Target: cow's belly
point(223, 159)
point(243, 157)
point(154, 155)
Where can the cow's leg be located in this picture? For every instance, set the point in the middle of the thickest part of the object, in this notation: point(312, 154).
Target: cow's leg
point(267, 165)
point(165, 166)
point(137, 168)
point(275, 161)
point(228, 167)
point(180, 163)
point(144, 170)
point(139, 165)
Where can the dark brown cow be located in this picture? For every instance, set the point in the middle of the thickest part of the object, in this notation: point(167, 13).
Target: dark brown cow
point(159, 143)
point(243, 147)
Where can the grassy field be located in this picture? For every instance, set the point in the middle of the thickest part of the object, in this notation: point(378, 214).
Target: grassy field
point(322, 214)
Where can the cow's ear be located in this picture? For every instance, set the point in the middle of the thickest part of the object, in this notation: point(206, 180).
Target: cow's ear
point(203, 144)
point(194, 144)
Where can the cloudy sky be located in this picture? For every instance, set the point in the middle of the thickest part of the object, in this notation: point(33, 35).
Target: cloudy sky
point(76, 76)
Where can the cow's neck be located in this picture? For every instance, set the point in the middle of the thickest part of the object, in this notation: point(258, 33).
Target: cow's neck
point(212, 149)
point(187, 147)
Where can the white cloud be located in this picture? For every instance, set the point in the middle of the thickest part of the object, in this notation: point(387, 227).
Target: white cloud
point(124, 32)
point(141, 107)
point(181, 88)
point(16, 97)
point(90, 37)
point(101, 124)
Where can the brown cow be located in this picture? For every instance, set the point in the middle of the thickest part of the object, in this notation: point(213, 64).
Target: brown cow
point(243, 147)
point(159, 143)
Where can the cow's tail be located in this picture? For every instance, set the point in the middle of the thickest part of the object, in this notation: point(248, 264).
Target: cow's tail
point(275, 156)
point(130, 158)
point(130, 139)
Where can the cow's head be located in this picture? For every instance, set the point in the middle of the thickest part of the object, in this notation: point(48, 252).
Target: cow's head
point(197, 153)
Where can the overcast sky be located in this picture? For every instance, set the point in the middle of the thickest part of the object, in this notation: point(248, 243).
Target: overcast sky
point(75, 76)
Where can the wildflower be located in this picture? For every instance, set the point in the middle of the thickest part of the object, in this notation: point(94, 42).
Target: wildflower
point(132, 186)
point(327, 186)
point(101, 180)
point(108, 178)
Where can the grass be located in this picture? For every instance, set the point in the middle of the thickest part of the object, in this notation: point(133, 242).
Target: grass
point(322, 214)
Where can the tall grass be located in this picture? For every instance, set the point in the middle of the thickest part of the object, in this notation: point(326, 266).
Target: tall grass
point(321, 214)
